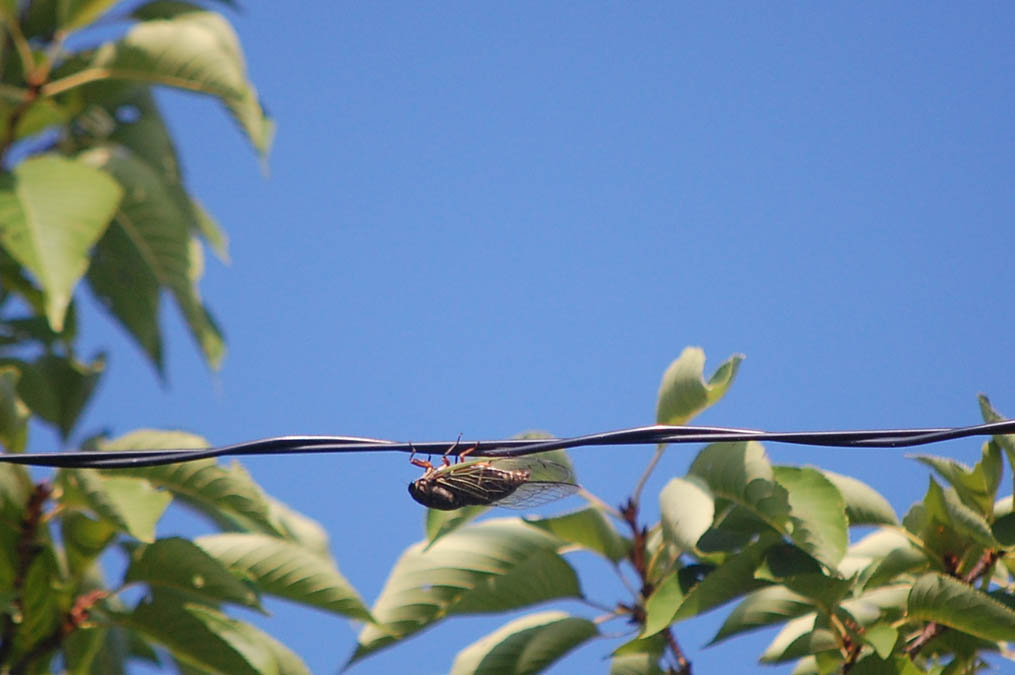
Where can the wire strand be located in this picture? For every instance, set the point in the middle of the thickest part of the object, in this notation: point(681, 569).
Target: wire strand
point(514, 447)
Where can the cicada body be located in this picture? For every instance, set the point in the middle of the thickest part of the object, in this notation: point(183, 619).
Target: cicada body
point(514, 482)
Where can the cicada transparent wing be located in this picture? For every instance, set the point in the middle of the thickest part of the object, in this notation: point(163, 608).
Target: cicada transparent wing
point(520, 482)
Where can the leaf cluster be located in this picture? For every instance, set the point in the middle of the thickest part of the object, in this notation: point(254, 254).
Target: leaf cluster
point(930, 593)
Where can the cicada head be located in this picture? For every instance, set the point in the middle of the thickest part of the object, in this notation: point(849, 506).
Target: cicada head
point(432, 495)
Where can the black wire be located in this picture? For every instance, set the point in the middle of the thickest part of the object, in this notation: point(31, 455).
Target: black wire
point(655, 434)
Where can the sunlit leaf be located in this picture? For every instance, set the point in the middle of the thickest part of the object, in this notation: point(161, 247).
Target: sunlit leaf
point(131, 504)
point(742, 473)
point(764, 607)
point(526, 645)
point(85, 539)
point(948, 601)
point(203, 637)
point(56, 388)
point(186, 568)
point(864, 504)
point(191, 50)
point(662, 605)
point(817, 513)
point(587, 528)
point(52, 211)
point(976, 487)
point(639, 657)
point(492, 566)
point(155, 248)
point(14, 413)
point(684, 393)
point(687, 509)
point(286, 569)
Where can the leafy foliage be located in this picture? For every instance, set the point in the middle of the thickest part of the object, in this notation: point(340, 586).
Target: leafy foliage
point(91, 191)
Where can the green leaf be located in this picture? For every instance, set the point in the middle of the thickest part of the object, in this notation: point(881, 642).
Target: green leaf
point(976, 487)
point(79, 13)
point(526, 645)
point(286, 569)
point(638, 657)
point(662, 605)
point(492, 566)
point(42, 601)
point(764, 607)
point(733, 578)
point(131, 504)
point(800, 572)
point(14, 413)
point(587, 528)
point(864, 504)
point(1005, 441)
point(194, 51)
point(205, 638)
point(155, 249)
point(1004, 529)
point(227, 495)
point(180, 565)
point(741, 473)
point(684, 393)
point(56, 388)
point(947, 508)
point(687, 508)
point(817, 513)
point(298, 528)
point(800, 637)
point(439, 523)
point(886, 554)
point(883, 637)
point(52, 211)
point(85, 539)
point(947, 601)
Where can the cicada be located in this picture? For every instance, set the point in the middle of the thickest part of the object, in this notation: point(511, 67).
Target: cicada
point(514, 482)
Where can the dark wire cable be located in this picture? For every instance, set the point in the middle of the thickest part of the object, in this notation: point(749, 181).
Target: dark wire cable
point(654, 434)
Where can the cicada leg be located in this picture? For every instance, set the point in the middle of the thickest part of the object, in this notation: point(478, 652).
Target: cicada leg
point(444, 459)
point(464, 453)
point(421, 463)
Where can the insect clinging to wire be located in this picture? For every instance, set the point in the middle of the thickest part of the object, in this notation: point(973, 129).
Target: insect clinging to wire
point(514, 482)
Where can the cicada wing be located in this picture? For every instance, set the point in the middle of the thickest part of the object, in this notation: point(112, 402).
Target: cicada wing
point(536, 493)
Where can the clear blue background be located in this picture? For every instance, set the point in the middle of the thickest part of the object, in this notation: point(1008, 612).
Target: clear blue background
point(486, 218)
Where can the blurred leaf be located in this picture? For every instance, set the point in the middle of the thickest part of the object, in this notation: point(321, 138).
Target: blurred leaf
point(817, 513)
point(191, 50)
point(1004, 529)
point(130, 504)
point(14, 413)
point(1005, 441)
point(299, 528)
point(84, 539)
point(684, 393)
point(883, 637)
point(976, 487)
point(439, 523)
point(948, 601)
point(638, 657)
point(864, 504)
point(662, 605)
point(180, 565)
point(799, 637)
point(51, 236)
point(733, 578)
point(764, 607)
point(491, 566)
point(43, 601)
point(154, 249)
point(741, 473)
point(526, 645)
point(889, 554)
point(79, 13)
point(587, 528)
point(286, 569)
point(947, 508)
point(203, 637)
point(56, 389)
point(801, 573)
point(227, 495)
point(687, 508)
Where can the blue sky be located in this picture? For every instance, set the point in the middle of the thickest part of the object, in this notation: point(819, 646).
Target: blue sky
point(487, 218)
